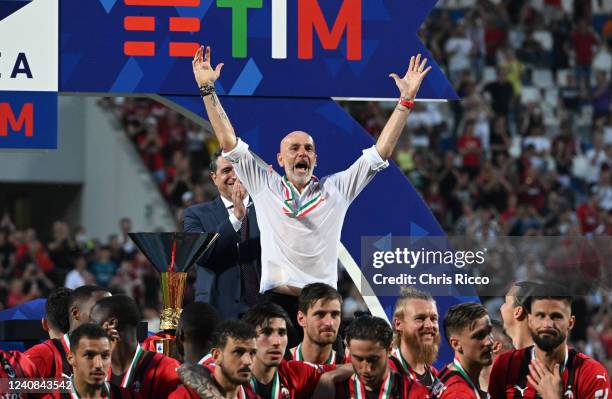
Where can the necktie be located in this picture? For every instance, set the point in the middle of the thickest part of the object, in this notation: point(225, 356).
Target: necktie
point(248, 273)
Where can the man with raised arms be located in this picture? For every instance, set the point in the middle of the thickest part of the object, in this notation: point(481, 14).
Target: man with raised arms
point(300, 217)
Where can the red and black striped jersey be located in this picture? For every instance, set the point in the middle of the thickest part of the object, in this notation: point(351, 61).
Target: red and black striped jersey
point(394, 386)
point(17, 365)
point(153, 375)
point(452, 385)
point(296, 354)
point(292, 380)
point(400, 365)
point(582, 376)
point(50, 359)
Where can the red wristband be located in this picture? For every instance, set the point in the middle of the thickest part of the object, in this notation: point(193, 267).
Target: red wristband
point(406, 103)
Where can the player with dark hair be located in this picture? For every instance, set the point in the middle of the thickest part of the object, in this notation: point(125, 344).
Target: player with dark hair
point(274, 377)
point(548, 369)
point(194, 333)
point(319, 315)
point(417, 335)
point(370, 341)
point(468, 331)
point(51, 356)
point(150, 374)
point(233, 350)
point(81, 302)
point(501, 343)
point(514, 314)
point(90, 356)
point(56, 321)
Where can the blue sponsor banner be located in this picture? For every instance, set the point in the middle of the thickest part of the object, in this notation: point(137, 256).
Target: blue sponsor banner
point(279, 48)
point(28, 119)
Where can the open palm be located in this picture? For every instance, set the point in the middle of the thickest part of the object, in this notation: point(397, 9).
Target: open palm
point(410, 83)
point(202, 70)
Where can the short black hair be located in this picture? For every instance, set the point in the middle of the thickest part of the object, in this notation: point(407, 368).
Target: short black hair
point(521, 290)
point(461, 316)
point(370, 328)
point(121, 307)
point(260, 314)
point(83, 293)
point(311, 293)
point(549, 291)
point(87, 330)
point(235, 329)
point(198, 322)
point(57, 309)
point(213, 160)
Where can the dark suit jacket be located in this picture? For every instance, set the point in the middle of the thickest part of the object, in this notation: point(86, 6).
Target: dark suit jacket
point(218, 273)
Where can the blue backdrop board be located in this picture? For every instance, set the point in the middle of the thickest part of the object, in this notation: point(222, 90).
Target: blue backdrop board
point(267, 46)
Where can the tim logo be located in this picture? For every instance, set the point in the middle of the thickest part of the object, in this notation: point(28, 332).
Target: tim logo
point(176, 24)
point(22, 120)
point(310, 21)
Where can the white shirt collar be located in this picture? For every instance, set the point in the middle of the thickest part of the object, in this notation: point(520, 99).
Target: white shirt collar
point(227, 203)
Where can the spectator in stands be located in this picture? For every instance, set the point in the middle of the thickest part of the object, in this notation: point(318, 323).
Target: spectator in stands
point(104, 268)
point(458, 49)
point(127, 245)
point(470, 148)
point(80, 275)
point(583, 40)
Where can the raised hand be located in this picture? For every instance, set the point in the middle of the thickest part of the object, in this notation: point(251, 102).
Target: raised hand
point(410, 83)
point(202, 70)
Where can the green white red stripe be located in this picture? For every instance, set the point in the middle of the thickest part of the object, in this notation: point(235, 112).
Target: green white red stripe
point(275, 385)
point(66, 341)
point(289, 202)
point(357, 389)
point(460, 370)
point(397, 353)
point(75, 395)
point(297, 355)
point(129, 374)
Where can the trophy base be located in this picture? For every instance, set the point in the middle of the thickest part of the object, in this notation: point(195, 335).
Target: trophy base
point(167, 347)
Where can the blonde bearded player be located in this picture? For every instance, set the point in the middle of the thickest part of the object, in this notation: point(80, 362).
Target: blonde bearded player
point(417, 336)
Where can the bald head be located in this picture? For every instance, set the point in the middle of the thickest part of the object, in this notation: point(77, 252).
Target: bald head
point(298, 157)
point(296, 136)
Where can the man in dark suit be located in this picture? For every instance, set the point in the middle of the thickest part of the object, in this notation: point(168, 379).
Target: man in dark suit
point(227, 274)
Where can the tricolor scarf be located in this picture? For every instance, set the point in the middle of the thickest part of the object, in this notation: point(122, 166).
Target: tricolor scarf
point(290, 194)
point(357, 389)
point(66, 342)
point(129, 374)
point(409, 371)
point(460, 370)
point(297, 355)
point(276, 385)
point(75, 395)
